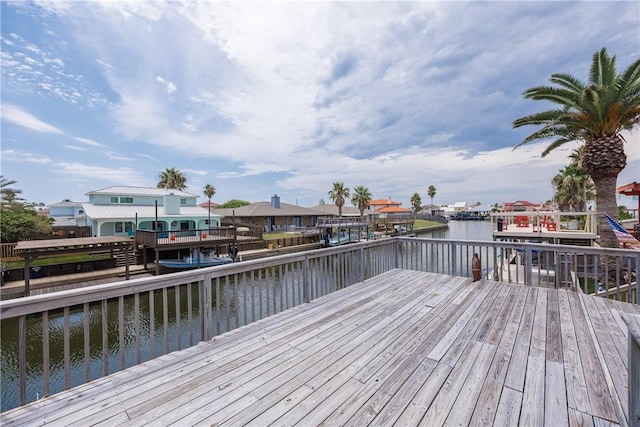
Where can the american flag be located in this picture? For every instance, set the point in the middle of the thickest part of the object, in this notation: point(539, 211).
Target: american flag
point(626, 240)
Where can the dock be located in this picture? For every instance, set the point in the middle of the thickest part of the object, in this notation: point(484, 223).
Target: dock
point(401, 348)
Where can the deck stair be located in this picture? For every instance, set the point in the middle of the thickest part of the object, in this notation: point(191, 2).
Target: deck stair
point(121, 258)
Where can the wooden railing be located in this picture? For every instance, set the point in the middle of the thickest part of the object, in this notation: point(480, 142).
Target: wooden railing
point(633, 328)
point(76, 336)
point(7, 252)
point(156, 239)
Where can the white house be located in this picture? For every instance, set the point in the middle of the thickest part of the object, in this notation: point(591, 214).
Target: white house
point(120, 210)
point(66, 213)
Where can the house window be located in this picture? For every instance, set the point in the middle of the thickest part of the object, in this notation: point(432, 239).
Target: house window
point(116, 199)
point(183, 201)
point(122, 227)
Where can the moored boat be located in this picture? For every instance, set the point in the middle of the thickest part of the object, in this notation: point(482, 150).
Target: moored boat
point(196, 259)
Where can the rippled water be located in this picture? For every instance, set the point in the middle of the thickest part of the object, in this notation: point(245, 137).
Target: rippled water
point(464, 230)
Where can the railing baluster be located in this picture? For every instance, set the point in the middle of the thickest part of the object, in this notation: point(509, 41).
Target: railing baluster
point(86, 342)
point(178, 322)
point(152, 324)
point(136, 325)
point(121, 347)
point(22, 358)
point(165, 319)
point(105, 338)
point(45, 352)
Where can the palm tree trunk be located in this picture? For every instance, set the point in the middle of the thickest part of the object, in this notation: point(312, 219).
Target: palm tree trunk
point(606, 203)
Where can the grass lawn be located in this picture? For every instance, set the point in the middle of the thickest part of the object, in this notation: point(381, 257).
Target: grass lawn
point(274, 236)
point(421, 223)
point(56, 260)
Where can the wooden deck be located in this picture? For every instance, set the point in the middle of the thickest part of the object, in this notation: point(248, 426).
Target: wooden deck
point(404, 348)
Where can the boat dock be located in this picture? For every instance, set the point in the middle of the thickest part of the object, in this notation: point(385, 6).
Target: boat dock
point(401, 348)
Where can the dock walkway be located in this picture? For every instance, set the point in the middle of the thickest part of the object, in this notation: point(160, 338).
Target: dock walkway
point(403, 348)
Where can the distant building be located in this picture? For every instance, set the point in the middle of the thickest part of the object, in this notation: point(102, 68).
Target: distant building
point(459, 207)
point(518, 206)
point(271, 216)
point(67, 213)
point(384, 208)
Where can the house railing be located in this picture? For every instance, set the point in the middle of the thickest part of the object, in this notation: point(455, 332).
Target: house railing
point(59, 340)
point(7, 252)
point(585, 222)
point(154, 239)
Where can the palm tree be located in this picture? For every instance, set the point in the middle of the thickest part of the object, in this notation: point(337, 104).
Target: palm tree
point(361, 198)
point(172, 178)
point(9, 195)
point(209, 191)
point(431, 192)
point(573, 185)
point(416, 202)
point(338, 194)
point(594, 113)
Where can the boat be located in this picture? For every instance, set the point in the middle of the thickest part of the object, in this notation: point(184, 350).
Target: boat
point(344, 238)
point(196, 259)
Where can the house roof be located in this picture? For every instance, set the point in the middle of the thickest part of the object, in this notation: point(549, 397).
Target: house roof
point(122, 190)
point(206, 204)
point(259, 209)
point(383, 202)
point(64, 221)
point(143, 212)
point(518, 202)
point(481, 208)
point(331, 209)
point(393, 209)
point(64, 204)
point(460, 204)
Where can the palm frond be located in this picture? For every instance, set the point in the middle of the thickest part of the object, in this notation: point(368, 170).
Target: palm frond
point(567, 81)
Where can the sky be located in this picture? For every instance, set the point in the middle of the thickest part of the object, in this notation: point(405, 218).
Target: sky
point(286, 98)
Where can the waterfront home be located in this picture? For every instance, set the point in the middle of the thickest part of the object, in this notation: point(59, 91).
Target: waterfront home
point(120, 210)
point(518, 206)
point(330, 209)
point(67, 213)
point(271, 216)
point(377, 204)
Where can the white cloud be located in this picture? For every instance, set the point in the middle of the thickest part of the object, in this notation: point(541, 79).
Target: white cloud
point(18, 116)
point(395, 96)
point(88, 141)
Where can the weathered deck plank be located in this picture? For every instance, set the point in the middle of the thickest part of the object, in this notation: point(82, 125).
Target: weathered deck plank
point(403, 348)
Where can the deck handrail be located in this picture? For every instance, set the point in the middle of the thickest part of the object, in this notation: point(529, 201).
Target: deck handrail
point(213, 300)
point(633, 328)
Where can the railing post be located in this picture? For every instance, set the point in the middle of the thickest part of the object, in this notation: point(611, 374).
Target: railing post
point(306, 283)
point(452, 267)
point(528, 266)
point(637, 301)
point(361, 265)
point(397, 254)
point(633, 325)
point(206, 307)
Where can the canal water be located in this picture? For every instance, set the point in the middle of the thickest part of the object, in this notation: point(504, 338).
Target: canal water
point(464, 230)
point(283, 295)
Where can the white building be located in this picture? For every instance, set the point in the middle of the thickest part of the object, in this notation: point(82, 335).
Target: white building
point(120, 210)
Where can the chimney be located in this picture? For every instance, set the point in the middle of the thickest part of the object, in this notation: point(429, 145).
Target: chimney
point(275, 201)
